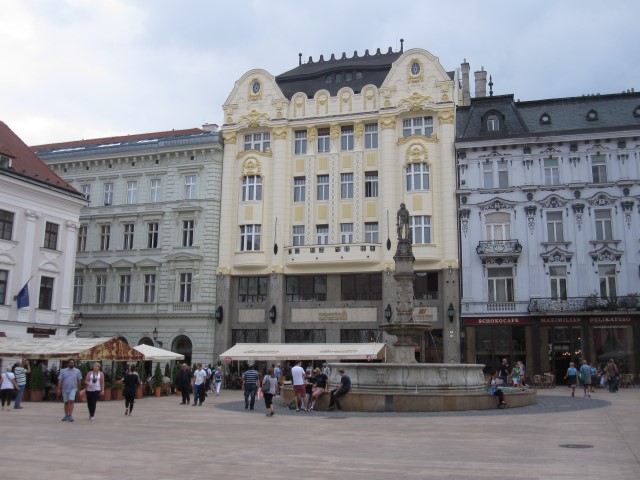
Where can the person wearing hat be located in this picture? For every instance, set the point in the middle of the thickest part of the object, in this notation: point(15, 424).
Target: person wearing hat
point(319, 387)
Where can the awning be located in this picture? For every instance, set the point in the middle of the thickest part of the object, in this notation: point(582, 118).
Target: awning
point(76, 348)
point(158, 354)
point(307, 351)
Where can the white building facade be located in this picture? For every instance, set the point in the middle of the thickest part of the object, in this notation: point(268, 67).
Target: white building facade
point(39, 215)
point(549, 214)
point(147, 241)
point(316, 164)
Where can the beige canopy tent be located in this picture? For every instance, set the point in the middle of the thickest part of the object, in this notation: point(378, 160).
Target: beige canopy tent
point(307, 351)
point(158, 354)
point(63, 348)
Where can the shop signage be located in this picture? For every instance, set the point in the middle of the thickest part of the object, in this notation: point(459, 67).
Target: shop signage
point(609, 320)
point(560, 320)
point(484, 321)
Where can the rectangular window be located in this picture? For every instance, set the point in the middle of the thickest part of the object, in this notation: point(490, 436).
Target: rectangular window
point(346, 138)
point(371, 184)
point(188, 229)
point(299, 189)
point(421, 229)
point(417, 176)
point(6, 225)
point(554, 227)
point(551, 171)
point(190, 187)
point(487, 174)
point(125, 288)
point(257, 141)
point(127, 240)
point(153, 230)
point(101, 289)
point(417, 126)
point(599, 168)
point(300, 142)
point(425, 286)
point(607, 280)
point(322, 187)
point(45, 297)
point(252, 289)
point(105, 237)
point(324, 140)
point(82, 238)
point(558, 278)
point(149, 288)
point(365, 286)
point(371, 136)
point(185, 287)
point(346, 185)
point(51, 236)
point(503, 174)
point(154, 190)
point(371, 232)
point(346, 233)
point(604, 230)
point(322, 234)
point(298, 235)
point(356, 335)
point(249, 335)
point(250, 238)
point(132, 192)
point(4, 278)
point(86, 192)
point(500, 284)
point(107, 195)
point(306, 288)
point(78, 288)
point(251, 188)
point(305, 335)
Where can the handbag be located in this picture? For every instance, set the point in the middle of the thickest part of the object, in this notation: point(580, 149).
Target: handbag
point(266, 385)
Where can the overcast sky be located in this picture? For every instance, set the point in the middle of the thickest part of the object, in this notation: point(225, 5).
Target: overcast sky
point(75, 69)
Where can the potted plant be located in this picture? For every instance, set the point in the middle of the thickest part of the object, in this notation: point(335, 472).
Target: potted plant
point(174, 378)
point(107, 392)
point(118, 386)
point(143, 378)
point(157, 380)
point(36, 383)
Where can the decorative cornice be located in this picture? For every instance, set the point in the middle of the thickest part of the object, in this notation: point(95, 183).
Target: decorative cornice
point(253, 153)
point(433, 138)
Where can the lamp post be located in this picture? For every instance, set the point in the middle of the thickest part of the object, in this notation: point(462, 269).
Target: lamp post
point(155, 337)
point(388, 313)
point(451, 312)
point(219, 314)
point(77, 324)
point(273, 314)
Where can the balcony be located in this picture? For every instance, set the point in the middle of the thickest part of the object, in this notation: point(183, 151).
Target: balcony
point(352, 253)
point(499, 249)
point(495, 307)
point(584, 304)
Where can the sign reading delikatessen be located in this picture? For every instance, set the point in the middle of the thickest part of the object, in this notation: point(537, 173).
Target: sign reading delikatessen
point(606, 320)
point(486, 321)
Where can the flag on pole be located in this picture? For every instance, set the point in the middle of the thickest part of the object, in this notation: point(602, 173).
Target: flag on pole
point(23, 296)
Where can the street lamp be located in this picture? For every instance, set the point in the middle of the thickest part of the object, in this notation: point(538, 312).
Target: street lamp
point(155, 337)
point(273, 314)
point(77, 324)
point(219, 314)
point(388, 313)
point(451, 312)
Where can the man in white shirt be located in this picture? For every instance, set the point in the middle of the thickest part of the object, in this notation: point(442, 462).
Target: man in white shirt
point(199, 379)
point(298, 377)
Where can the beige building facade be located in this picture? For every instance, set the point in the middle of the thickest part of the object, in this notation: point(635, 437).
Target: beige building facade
point(316, 164)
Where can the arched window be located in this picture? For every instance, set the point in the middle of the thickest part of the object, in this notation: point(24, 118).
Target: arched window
point(417, 176)
point(493, 123)
point(251, 188)
point(146, 341)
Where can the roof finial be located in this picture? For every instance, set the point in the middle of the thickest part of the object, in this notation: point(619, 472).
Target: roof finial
point(300, 59)
point(490, 86)
point(401, 45)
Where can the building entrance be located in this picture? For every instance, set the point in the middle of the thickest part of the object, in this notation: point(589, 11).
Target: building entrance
point(565, 346)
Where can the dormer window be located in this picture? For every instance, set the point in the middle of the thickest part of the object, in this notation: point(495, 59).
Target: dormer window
point(636, 112)
point(592, 116)
point(5, 162)
point(545, 119)
point(493, 123)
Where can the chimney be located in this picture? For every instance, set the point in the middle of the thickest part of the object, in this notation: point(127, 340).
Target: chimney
point(210, 127)
point(466, 93)
point(481, 83)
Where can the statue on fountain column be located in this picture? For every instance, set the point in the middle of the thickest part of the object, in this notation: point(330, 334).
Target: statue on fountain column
point(402, 222)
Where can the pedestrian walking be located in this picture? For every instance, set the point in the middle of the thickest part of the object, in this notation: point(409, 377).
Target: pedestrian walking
point(131, 383)
point(585, 378)
point(21, 370)
point(612, 375)
point(250, 380)
point(7, 387)
point(269, 385)
point(571, 377)
point(69, 382)
point(183, 383)
point(94, 385)
point(217, 380)
point(199, 382)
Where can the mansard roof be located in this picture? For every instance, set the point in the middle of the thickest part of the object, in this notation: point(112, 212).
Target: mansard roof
point(571, 115)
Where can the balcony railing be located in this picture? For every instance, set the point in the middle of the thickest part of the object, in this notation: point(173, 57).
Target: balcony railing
point(584, 304)
point(499, 248)
point(495, 307)
point(352, 252)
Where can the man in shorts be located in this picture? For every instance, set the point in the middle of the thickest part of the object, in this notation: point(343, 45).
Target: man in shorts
point(69, 383)
point(298, 380)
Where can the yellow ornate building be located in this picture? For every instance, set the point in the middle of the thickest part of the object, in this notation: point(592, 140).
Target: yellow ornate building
point(316, 163)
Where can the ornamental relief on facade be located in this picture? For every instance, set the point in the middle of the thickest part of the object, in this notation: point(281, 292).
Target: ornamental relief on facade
point(416, 102)
point(369, 100)
point(416, 153)
point(253, 153)
point(322, 102)
point(299, 105)
point(346, 100)
point(497, 204)
point(433, 138)
point(553, 201)
point(279, 133)
point(387, 121)
point(251, 166)
point(254, 119)
point(602, 200)
point(445, 116)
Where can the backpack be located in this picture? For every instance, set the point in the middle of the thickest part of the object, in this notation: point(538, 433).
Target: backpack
point(292, 405)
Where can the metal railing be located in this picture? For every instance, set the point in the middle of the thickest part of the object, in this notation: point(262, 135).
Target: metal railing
point(584, 304)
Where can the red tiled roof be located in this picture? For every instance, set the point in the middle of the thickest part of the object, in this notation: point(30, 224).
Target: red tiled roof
point(27, 163)
point(122, 138)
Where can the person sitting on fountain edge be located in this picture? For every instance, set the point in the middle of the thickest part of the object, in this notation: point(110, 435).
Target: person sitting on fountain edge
point(341, 391)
